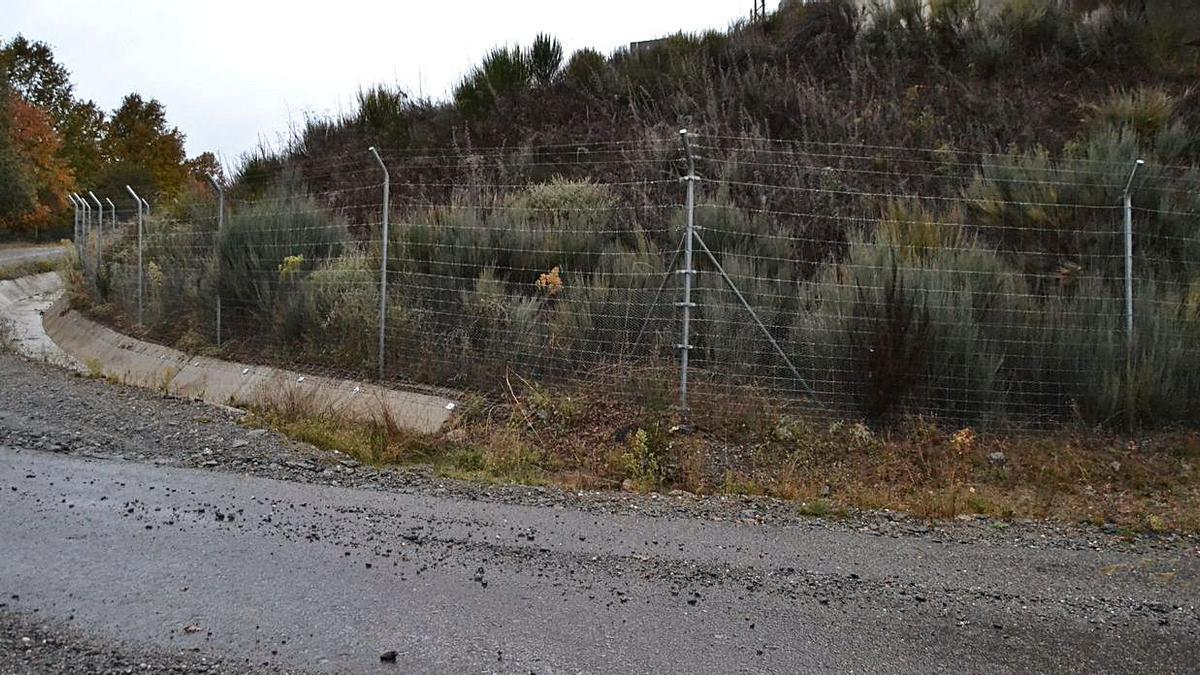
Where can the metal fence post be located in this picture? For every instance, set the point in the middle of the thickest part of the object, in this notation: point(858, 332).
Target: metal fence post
point(220, 226)
point(1130, 402)
point(383, 264)
point(75, 200)
point(78, 220)
point(87, 218)
point(99, 231)
point(139, 202)
point(112, 212)
point(99, 212)
point(688, 273)
point(83, 216)
point(692, 236)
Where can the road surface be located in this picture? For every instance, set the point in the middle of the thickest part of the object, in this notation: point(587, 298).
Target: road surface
point(16, 255)
point(138, 529)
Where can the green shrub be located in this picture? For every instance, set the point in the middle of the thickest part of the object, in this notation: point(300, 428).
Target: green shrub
point(504, 72)
point(385, 112)
point(262, 257)
point(587, 71)
point(176, 257)
point(1046, 213)
point(816, 30)
point(653, 73)
point(1106, 34)
point(1074, 352)
point(545, 59)
point(598, 315)
point(897, 28)
point(646, 460)
point(343, 302)
point(544, 281)
point(1035, 25)
point(951, 21)
point(895, 329)
point(559, 199)
point(472, 98)
point(1146, 111)
point(257, 173)
point(988, 51)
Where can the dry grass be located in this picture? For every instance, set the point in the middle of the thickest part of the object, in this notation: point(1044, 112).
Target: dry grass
point(27, 268)
point(577, 442)
point(302, 414)
point(940, 474)
point(24, 268)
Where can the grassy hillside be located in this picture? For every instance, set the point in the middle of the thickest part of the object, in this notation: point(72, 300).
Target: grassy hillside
point(1022, 77)
point(922, 207)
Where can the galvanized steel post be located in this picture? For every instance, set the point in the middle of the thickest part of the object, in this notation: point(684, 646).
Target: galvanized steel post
point(688, 273)
point(99, 231)
point(141, 294)
point(87, 217)
point(78, 236)
point(220, 226)
point(1130, 402)
point(383, 264)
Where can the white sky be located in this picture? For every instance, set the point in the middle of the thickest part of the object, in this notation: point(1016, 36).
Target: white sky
point(233, 73)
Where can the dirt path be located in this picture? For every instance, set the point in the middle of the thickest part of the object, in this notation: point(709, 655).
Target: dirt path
point(150, 524)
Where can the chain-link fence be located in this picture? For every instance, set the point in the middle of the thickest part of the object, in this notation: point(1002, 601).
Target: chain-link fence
point(858, 282)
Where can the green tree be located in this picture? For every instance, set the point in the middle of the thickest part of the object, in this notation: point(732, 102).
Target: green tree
point(204, 165)
point(37, 77)
point(138, 135)
point(34, 75)
point(82, 131)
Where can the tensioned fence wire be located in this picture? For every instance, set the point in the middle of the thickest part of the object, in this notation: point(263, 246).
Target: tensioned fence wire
point(853, 282)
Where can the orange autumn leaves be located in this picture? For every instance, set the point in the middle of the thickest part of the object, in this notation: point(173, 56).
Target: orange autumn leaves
point(36, 145)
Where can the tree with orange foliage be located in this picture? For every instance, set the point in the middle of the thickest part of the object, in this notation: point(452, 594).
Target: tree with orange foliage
point(16, 196)
point(35, 145)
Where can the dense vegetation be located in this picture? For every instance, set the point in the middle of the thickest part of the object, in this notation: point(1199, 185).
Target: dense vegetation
point(52, 143)
point(922, 206)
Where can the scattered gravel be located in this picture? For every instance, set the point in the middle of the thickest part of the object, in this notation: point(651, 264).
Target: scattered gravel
point(674, 563)
point(45, 408)
point(31, 645)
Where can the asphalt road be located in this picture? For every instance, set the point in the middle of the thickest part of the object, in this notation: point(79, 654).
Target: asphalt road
point(110, 536)
point(15, 255)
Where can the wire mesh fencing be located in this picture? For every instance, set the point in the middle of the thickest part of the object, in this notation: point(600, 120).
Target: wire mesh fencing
point(719, 274)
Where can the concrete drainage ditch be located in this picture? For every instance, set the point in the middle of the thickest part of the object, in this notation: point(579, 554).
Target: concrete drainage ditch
point(44, 326)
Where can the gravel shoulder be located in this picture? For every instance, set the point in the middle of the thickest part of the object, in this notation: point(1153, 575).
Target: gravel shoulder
point(31, 646)
point(46, 408)
point(141, 517)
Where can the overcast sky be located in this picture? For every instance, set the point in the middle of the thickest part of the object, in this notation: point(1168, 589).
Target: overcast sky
point(234, 73)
